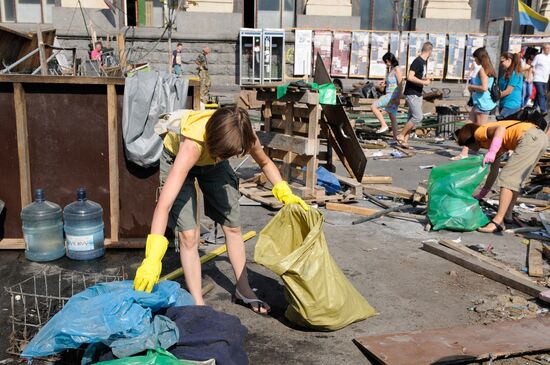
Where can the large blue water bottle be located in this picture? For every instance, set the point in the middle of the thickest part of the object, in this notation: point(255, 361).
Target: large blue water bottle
point(42, 229)
point(84, 228)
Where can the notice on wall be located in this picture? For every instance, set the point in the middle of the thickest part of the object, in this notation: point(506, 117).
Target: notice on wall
point(436, 63)
point(416, 41)
point(514, 44)
point(359, 63)
point(340, 54)
point(473, 42)
point(455, 57)
point(302, 52)
point(322, 44)
point(379, 46)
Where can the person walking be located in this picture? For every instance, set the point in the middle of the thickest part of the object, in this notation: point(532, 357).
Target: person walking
point(480, 87)
point(416, 80)
point(176, 59)
point(390, 100)
point(202, 67)
point(541, 71)
point(527, 70)
point(511, 85)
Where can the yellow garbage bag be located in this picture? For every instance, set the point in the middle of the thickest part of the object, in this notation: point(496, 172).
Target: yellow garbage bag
point(293, 246)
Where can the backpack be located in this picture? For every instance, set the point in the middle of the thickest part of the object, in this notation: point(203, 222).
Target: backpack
point(531, 115)
point(495, 91)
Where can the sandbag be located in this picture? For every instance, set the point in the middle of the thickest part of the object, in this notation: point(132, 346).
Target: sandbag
point(451, 204)
point(319, 295)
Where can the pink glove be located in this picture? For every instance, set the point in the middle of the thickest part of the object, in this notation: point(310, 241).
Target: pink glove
point(482, 193)
point(490, 156)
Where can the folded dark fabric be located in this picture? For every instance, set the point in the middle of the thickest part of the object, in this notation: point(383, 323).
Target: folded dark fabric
point(206, 333)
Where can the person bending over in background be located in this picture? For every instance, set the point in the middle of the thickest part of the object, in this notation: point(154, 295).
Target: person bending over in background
point(207, 140)
point(390, 100)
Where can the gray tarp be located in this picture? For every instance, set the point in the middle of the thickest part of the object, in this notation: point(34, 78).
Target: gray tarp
point(146, 96)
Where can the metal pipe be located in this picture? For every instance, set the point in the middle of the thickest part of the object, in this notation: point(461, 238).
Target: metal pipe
point(26, 57)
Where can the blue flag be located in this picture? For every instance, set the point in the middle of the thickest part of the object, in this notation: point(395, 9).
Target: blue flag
point(528, 16)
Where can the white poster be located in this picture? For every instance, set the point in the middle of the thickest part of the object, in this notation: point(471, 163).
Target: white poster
point(436, 63)
point(302, 52)
point(379, 46)
point(514, 45)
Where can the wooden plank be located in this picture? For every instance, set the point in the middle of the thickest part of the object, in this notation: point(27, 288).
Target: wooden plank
point(52, 79)
point(287, 159)
point(464, 344)
point(536, 202)
point(300, 111)
point(296, 144)
point(313, 132)
point(270, 202)
point(463, 249)
point(534, 259)
point(297, 127)
point(306, 97)
point(298, 160)
point(348, 208)
point(121, 43)
point(41, 52)
point(476, 265)
point(196, 97)
point(113, 140)
point(377, 180)
point(355, 187)
point(389, 191)
point(22, 144)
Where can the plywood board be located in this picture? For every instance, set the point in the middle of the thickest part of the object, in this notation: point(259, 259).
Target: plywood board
point(322, 45)
point(379, 46)
point(459, 344)
point(340, 54)
point(359, 60)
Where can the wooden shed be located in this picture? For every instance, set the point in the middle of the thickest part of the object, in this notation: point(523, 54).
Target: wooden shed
point(17, 40)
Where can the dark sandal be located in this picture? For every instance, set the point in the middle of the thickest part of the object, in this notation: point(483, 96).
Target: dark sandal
point(498, 227)
point(240, 299)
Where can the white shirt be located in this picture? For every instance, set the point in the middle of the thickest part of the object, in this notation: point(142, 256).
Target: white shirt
point(541, 66)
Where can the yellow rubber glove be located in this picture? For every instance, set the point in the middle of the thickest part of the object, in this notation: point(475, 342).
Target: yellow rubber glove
point(282, 192)
point(148, 273)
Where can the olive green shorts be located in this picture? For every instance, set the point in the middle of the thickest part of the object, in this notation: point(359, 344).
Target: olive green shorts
point(220, 190)
point(530, 148)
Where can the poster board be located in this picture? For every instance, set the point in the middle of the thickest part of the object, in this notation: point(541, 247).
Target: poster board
point(359, 60)
point(322, 44)
point(473, 42)
point(340, 54)
point(379, 46)
point(416, 41)
point(514, 44)
point(303, 41)
point(436, 63)
point(455, 57)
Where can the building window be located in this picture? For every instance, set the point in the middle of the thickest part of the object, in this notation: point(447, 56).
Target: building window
point(269, 13)
point(380, 14)
point(7, 10)
point(29, 11)
point(366, 8)
point(26, 11)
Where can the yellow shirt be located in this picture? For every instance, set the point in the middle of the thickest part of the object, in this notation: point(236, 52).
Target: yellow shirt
point(192, 126)
point(511, 136)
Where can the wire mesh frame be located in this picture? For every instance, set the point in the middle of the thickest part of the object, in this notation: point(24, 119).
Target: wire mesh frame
point(38, 298)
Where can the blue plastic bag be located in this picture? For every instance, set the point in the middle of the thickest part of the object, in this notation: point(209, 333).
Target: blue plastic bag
point(327, 180)
point(105, 313)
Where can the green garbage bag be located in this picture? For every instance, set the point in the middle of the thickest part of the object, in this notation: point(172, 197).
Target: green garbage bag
point(327, 92)
point(155, 357)
point(451, 204)
point(293, 246)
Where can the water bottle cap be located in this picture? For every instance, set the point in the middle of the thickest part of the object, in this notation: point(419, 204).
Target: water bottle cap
point(81, 194)
point(39, 195)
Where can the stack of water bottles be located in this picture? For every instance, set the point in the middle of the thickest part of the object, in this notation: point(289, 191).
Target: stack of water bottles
point(45, 227)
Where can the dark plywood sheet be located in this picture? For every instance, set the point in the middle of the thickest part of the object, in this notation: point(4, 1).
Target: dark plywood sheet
point(459, 344)
point(68, 142)
point(10, 193)
point(340, 126)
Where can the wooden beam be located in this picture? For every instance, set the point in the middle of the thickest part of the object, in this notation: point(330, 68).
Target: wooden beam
point(296, 144)
point(297, 127)
point(534, 259)
point(112, 133)
point(41, 52)
point(476, 265)
point(388, 190)
point(196, 97)
point(52, 79)
point(349, 208)
point(536, 202)
point(121, 43)
point(377, 180)
point(313, 133)
point(22, 144)
point(355, 187)
point(306, 97)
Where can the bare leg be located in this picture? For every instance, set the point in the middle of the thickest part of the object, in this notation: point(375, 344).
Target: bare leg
point(509, 215)
point(405, 132)
point(378, 113)
point(189, 255)
point(393, 120)
point(506, 198)
point(237, 257)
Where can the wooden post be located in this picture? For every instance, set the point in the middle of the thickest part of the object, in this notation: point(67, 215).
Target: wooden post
point(313, 133)
point(121, 49)
point(112, 132)
point(22, 143)
point(196, 96)
point(41, 51)
point(289, 130)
